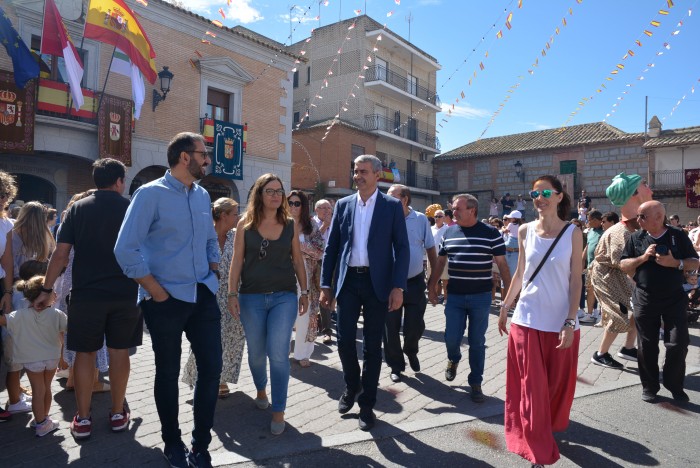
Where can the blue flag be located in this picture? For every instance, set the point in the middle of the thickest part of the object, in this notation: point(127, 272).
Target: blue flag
point(25, 67)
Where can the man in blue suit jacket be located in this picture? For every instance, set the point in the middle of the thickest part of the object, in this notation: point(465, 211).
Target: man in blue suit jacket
point(366, 260)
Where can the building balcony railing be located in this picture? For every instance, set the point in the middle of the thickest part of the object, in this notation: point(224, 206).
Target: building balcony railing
point(407, 177)
point(407, 130)
point(55, 100)
point(671, 179)
point(398, 78)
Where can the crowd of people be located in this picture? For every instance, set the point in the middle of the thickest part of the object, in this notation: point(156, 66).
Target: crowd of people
point(76, 294)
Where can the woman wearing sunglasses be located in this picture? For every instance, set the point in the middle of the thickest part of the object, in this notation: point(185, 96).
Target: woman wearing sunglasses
point(311, 242)
point(267, 263)
point(544, 337)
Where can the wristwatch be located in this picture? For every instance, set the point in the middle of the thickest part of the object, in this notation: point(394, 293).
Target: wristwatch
point(46, 290)
point(304, 293)
point(570, 323)
point(680, 265)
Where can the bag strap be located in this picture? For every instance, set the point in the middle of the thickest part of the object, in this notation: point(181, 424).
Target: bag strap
point(546, 256)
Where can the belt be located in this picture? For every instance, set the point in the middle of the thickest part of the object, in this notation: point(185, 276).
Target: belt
point(510, 249)
point(360, 270)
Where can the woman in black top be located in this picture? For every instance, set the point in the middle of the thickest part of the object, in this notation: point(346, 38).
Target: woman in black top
point(267, 263)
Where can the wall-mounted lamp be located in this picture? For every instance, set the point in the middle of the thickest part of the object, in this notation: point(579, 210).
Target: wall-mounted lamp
point(165, 76)
point(519, 172)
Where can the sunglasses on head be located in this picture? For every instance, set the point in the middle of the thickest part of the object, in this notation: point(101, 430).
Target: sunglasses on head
point(546, 193)
point(294, 203)
point(263, 246)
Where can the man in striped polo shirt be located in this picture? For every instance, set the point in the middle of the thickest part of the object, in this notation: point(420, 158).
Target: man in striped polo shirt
point(469, 249)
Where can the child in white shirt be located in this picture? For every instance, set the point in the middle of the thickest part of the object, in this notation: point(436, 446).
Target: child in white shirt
point(37, 346)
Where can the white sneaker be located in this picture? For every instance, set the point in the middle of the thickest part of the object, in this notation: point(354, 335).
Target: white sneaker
point(20, 407)
point(24, 397)
point(587, 318)
point(580, 314)
point(596, 314)
point(47, 427)
point(63, 374)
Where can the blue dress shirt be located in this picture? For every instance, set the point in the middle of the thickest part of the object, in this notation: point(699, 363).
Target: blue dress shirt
point(168, 231)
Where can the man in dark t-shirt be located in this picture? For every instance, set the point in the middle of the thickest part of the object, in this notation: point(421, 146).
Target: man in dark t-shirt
point(507, 203)
point(657, 255)
point(469, 249)
point(102, 300)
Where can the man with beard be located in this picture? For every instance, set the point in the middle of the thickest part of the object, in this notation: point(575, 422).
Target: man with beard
point(168, 245)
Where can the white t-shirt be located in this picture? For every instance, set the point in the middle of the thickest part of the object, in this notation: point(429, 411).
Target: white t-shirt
point(544, 303)
point(35, 335)
point(438, 233)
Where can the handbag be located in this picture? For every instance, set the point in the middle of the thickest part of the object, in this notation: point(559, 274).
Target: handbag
point(546, 256)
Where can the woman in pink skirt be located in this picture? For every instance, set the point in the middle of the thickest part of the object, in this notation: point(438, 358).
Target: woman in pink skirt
point(544, 338)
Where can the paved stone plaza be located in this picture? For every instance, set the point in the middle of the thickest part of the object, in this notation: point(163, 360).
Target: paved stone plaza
point(241, 432)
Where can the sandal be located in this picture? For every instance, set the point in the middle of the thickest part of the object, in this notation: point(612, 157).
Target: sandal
point(305, 363)
point(224, 391)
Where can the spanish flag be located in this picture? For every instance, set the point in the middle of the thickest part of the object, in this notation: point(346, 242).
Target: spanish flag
point(113, 22)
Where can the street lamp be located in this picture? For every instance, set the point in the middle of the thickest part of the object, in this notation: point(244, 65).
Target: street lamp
point(519, 172)
point(165, 76)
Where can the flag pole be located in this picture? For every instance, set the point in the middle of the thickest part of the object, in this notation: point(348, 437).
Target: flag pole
point(109, 70)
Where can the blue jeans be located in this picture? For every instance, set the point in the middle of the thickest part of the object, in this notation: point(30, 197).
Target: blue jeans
point(201, 322)
point(268, 320)
point(475, 307)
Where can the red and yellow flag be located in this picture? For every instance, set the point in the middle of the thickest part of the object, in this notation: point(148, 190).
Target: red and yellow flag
point(113, 22)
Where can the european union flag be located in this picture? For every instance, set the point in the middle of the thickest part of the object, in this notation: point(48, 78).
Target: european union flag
point(25, 67)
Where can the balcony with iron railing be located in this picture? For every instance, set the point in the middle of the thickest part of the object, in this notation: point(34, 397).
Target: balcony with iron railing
point(54, 100)
point(398, 78)
point(409, 177)
point(407, 130)
point(668, 180)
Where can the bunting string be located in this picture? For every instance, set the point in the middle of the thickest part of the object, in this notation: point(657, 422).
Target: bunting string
point(461, 65)
point(531, 71)
point(650, 66)
point(620, 66)
point(679, 102)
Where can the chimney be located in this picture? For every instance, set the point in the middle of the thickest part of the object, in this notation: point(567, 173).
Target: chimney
point(654, 127)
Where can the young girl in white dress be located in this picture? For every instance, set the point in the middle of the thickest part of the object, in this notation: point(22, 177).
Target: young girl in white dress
point(37, 346)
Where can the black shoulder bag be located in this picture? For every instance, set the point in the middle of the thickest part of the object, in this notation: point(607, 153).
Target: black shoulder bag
point(546, 256)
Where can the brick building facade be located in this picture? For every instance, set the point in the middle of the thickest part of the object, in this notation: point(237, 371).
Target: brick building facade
point(251, 73)
point(374, 82)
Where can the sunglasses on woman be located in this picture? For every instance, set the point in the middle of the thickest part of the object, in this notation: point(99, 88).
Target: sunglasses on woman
point(294, 203)
point(546, 193)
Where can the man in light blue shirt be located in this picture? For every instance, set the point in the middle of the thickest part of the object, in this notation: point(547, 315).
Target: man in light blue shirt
point(168, 245)
point(421, 241)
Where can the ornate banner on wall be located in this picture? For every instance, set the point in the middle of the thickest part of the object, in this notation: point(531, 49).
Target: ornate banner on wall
point(114, 128)
point(692, 188)
point(16, 115)
point(228, 150)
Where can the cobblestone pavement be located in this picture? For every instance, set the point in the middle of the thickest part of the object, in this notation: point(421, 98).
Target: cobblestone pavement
point(241, 432)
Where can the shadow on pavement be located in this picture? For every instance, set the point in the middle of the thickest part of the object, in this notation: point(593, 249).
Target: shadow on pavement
point(413, 452)
point(614, 445)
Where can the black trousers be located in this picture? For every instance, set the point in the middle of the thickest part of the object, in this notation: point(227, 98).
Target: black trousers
point(412, 311)
point(357, 297)
point(649, 309)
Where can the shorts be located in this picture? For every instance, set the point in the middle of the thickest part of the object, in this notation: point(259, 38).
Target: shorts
point(91, 323)
point(41, 366)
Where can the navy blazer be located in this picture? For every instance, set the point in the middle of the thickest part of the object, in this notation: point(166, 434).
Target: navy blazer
point(387, 246)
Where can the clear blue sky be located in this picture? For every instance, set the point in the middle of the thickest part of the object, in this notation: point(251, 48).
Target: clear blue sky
point(587, 49)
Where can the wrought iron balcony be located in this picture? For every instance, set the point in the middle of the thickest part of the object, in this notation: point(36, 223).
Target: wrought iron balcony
point(407, 130)
point(668, 180)
point(398, 78)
